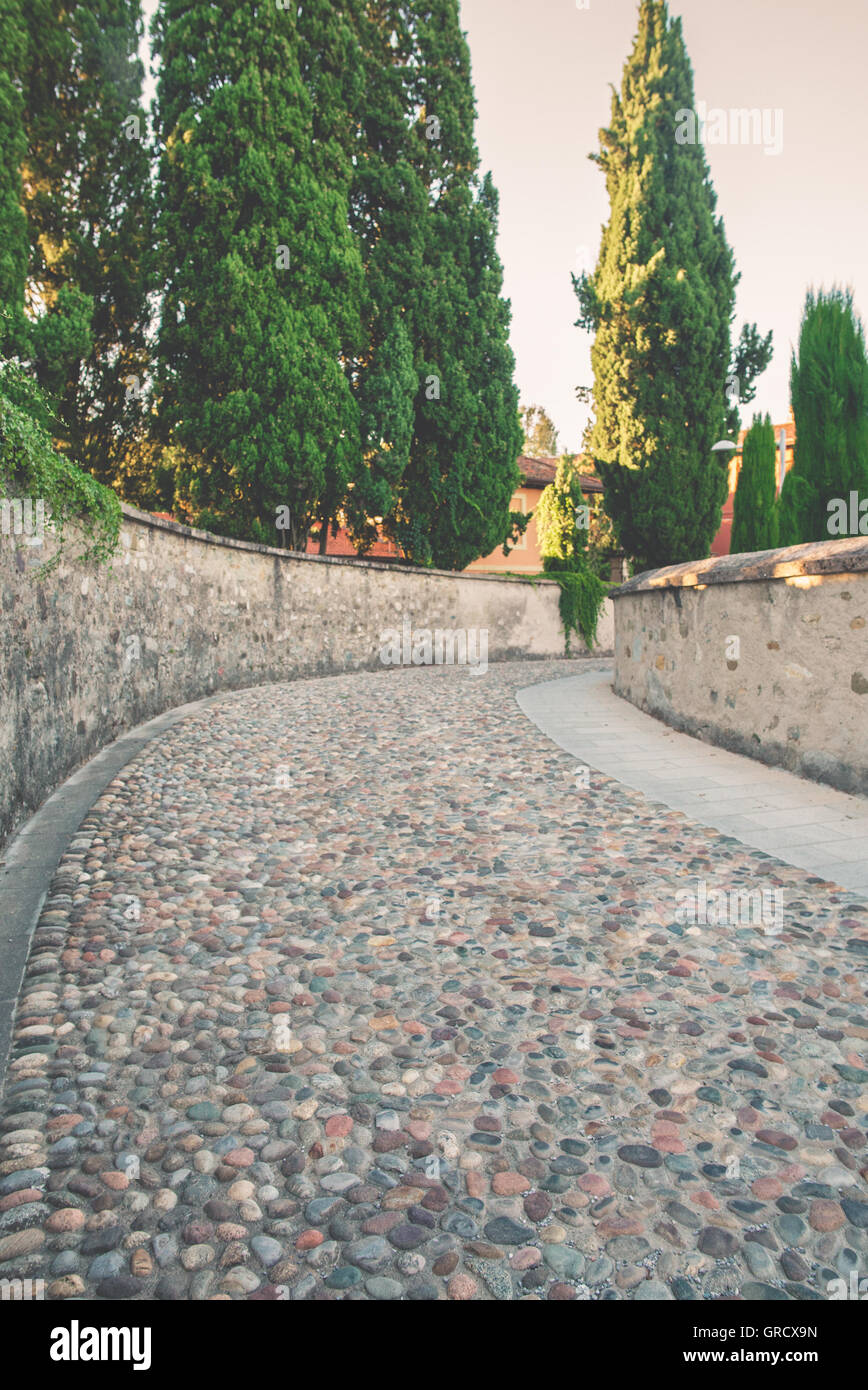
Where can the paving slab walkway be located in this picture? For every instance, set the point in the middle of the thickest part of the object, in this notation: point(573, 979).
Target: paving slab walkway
point(344, 990)
point(802, 822)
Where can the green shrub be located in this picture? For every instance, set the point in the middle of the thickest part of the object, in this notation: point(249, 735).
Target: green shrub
point(31, 467)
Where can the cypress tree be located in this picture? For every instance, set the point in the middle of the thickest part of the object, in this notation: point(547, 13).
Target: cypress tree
point(86, 180)
point(661, 303)
point(333, 72)
point(454, 496)
point(754, 520)
point(263, 277)
point(562, 539)
point(387, 390)
point(438, 471)
point(388, 209)
point(13, 226)
point(829, 393)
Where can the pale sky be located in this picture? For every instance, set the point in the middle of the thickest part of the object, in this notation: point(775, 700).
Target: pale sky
point(542, 71)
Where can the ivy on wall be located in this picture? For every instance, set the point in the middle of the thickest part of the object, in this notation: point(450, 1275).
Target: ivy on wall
point(32, 470)
point(581, 599)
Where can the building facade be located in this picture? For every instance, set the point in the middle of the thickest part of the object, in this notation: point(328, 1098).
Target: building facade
point(525, 557)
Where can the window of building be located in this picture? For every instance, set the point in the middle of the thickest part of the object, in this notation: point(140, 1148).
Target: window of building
point(519, 504)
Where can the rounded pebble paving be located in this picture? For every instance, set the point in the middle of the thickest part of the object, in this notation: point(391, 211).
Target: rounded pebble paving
point(343, 990)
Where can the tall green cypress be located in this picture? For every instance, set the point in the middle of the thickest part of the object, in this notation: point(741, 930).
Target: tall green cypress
point(661, 303)
point(455, 493)
point(86, 180)
point(332, 70)
point(263, 278)
point(829, 394)
point(562, 539)
point(389, 207)
point(13, 226)
point(754, 517)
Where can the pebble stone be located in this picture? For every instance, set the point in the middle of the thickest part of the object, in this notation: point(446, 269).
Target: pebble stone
point(425, 1025)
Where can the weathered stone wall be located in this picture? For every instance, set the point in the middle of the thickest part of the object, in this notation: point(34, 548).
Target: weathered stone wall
point(764, 654)
point(93, 651)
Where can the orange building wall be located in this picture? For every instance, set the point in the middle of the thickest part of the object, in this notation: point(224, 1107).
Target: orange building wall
point(524, 558)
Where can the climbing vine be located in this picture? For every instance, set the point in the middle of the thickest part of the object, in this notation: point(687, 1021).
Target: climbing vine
point(31, 469)
point(581, 599)
point(562, 518)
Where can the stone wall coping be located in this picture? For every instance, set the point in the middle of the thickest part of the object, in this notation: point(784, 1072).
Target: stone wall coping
point(849, 556)
point(158, 523)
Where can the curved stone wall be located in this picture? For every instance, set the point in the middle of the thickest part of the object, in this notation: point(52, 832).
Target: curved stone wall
point(180, 614)
point(764, 654)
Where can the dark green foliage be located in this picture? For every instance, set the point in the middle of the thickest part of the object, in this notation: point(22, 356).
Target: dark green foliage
point(661, 303)
point(602, 541)
point(750, 359)
point(333, 73)
point(427, 229)
point(332, 335)
point(59, 340)
point(87, 205)
point(755, 519)
point(31, 468)
point(388, 210)
point(13, 225)
point(149, 472)
point(797, 506)
point(387, 419)
point(829, 393)
point(455, 494)
point(263, 277)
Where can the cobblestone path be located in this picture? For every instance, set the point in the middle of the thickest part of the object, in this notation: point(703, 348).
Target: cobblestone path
point(346, 989)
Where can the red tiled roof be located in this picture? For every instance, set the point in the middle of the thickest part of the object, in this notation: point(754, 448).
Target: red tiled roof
point(539, 472)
